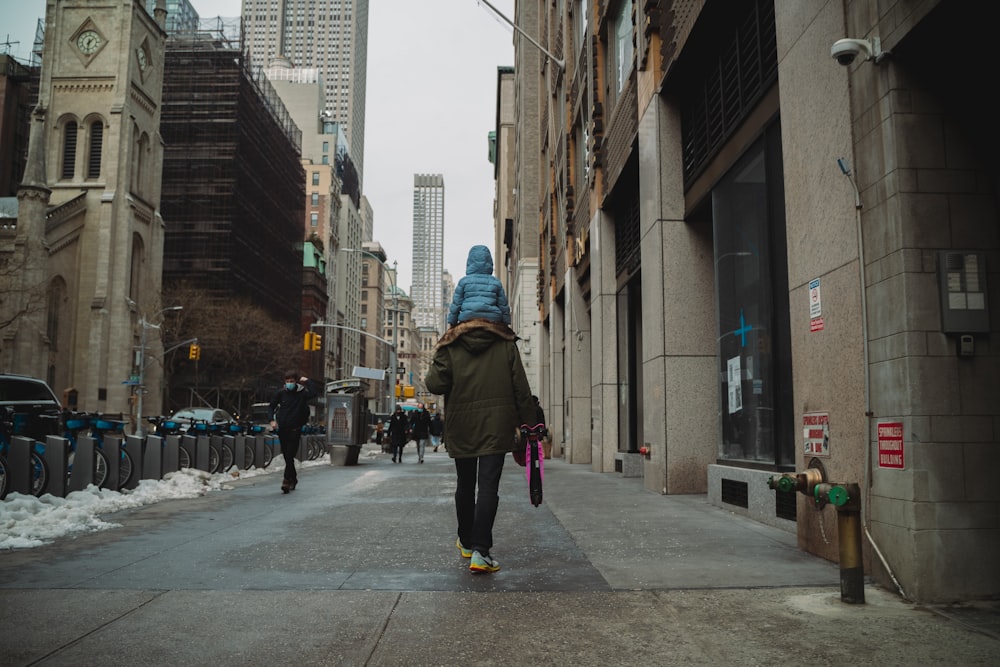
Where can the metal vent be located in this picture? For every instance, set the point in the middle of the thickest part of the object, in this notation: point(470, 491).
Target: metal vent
point(728, 87)
point(784, 505)
point(735, 493)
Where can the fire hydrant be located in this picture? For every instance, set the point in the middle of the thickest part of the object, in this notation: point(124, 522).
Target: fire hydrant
point(847, 499)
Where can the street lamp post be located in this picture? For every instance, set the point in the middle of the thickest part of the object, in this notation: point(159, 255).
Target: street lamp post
point(141, 388)
point(395, 323)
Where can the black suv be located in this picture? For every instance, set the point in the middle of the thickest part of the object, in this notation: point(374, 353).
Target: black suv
point(28, 407)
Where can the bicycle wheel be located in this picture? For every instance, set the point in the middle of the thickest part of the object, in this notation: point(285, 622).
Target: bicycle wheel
point(100, 468)
point(228, 458)
point(3, 477)
point(183, 458)
point(268, 454)
point(39, 475)
point(124, 469)
point(247, 456)
point(214, 459)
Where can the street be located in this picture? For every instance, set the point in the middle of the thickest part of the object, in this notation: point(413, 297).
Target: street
point(357, 566)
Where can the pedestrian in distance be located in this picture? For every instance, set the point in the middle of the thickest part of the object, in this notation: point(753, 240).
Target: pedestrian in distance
point(479, 294)
point(437, 430)
point(379, 428)
point(289, 412)
point(399, 428)
point(477, 366)
point(420, 429)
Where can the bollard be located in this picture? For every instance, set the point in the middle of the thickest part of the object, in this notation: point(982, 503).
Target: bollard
point(152, 458)
point(84, 457)
point(55, 456)
point(112, 450)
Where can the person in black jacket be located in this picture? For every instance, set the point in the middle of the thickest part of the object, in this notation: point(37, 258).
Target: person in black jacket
point(420, 428)
point(289, 410)
point(399, 433)
point(437, 430)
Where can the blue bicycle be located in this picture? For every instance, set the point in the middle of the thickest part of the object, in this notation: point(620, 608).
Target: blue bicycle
point(97, 426)
point(10, 426)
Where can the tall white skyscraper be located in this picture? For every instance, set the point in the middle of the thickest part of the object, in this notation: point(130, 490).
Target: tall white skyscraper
point(330, 35)
point(428, 251)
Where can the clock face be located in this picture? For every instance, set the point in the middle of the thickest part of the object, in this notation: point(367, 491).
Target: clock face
point(88, 42)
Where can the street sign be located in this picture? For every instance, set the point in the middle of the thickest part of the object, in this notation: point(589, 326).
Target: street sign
point(368, 373)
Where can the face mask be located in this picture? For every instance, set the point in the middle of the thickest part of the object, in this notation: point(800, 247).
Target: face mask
point(290, 386)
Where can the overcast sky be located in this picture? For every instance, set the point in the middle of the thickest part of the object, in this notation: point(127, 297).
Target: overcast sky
point(432, 83)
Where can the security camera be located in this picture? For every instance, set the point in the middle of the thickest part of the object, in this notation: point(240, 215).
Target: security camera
point(845, 51)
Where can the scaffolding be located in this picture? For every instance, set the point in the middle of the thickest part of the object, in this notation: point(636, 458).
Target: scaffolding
point(233, 191)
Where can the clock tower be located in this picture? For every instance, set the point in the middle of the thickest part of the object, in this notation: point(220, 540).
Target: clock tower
point(89, 230)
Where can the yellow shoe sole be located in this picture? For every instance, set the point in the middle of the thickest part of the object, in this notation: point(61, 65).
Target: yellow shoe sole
point(466, 553)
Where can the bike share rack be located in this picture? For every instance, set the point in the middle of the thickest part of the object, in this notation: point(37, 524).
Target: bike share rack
point(153, 457)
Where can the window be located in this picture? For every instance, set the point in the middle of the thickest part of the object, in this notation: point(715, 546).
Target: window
point(94, 151)
point(314, 219)
point(314, 199)
point(579, 23)
point(364, 322)
point(69, 150)
point(752, 305)
point(326, 146)
point(622, 50)
point(315, 176)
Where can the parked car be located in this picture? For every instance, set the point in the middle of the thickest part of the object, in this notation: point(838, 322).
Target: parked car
point(260, 414)
point(30, 405)
point(186, 416)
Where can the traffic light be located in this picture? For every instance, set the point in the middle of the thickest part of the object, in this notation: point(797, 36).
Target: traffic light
point(312, 341)
point(194, 352)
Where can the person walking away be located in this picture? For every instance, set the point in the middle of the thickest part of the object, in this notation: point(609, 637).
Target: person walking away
point(479, 294)
point(289, 412)
point(437, 430)
point(398, 428)
point(477, 366)
point(420, 428)
point(379, 428)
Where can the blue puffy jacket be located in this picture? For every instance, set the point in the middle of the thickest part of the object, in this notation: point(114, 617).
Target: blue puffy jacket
point(479, 293)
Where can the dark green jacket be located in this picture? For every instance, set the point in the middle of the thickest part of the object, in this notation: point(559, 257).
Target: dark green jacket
point(477, 368)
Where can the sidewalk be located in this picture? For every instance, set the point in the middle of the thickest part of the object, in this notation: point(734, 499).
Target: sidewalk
point(357, 567)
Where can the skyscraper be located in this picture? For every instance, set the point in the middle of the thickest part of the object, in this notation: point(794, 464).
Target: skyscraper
point(331, 35)
point(428, 250)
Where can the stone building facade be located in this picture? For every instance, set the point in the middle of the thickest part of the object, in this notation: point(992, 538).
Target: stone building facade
point(757, 258)
point(89, 233)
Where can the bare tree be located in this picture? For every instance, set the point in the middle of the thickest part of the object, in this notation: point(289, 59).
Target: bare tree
point(16, 298)
point(244, 350)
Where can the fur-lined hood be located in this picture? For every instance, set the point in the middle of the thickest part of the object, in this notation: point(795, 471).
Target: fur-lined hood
point(474, 328)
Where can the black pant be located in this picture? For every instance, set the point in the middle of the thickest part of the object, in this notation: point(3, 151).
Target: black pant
point(289, 439)
point(477, 509)
point(397, 450)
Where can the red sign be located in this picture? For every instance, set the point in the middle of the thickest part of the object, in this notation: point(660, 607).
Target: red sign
point(816, 433)
point(890, 445)
point(816, 324)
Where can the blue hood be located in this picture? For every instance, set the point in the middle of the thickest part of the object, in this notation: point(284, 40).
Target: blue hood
point(480, 261)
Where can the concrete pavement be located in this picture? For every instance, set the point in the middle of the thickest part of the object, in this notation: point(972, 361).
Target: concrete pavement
point(358, 567)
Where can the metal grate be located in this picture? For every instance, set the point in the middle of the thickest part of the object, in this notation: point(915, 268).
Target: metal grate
point(94, 154)
point(69, 150)
point(729, 86)
point(784, 505)
point(735, 493)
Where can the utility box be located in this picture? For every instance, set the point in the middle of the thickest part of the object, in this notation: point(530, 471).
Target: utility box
point(345, 429)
